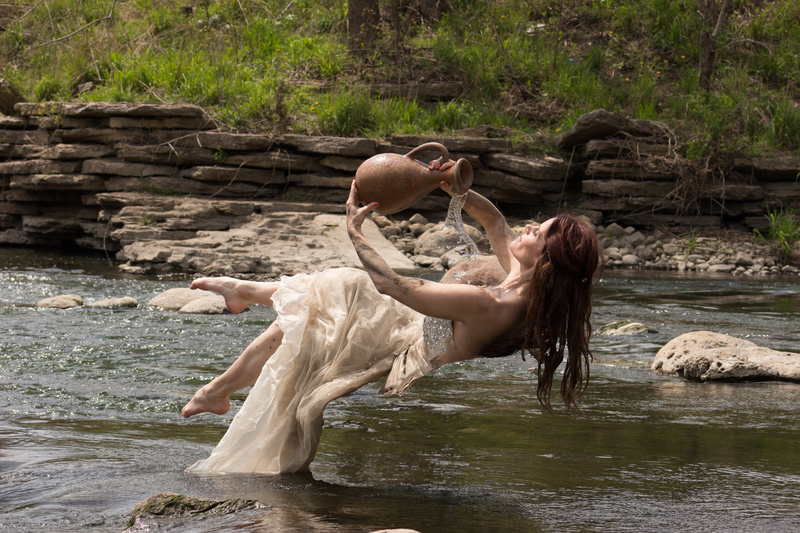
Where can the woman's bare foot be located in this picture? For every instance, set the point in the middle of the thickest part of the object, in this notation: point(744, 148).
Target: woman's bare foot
point(227, 287)
point(204, 401)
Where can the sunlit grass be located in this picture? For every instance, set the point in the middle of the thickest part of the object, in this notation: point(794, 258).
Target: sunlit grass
point(270, 64)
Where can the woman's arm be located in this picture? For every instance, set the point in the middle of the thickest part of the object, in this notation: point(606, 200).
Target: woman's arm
point(450, 301)
point(494, 223)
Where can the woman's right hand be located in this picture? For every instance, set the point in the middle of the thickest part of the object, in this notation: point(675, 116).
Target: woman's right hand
point(355, 214)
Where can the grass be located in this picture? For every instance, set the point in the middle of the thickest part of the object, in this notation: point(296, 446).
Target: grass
point(691, 243)
point(533, 66)
point(784, 230)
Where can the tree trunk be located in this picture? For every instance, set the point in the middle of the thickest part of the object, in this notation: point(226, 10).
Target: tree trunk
point(713, 22)
point(363, 19)
point(395, 23)
point(432, 10)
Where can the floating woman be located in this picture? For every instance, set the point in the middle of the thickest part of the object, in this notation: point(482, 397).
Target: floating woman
point(340, 329)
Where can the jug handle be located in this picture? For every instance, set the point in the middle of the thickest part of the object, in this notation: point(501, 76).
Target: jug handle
point(430, 146)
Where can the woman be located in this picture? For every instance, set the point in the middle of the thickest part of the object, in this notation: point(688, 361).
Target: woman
point(340, 329)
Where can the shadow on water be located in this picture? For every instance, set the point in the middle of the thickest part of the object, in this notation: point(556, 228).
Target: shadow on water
point(301, 503)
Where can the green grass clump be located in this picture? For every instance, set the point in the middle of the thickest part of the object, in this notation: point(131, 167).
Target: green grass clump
point(531, 66)
point(784, 230)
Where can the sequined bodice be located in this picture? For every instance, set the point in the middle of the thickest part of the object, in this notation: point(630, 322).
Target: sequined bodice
point(437, 332)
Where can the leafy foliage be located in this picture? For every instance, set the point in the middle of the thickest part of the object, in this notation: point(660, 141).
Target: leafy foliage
point(531, 65)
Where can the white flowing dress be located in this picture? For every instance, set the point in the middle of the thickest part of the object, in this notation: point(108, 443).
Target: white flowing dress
point(340, 333)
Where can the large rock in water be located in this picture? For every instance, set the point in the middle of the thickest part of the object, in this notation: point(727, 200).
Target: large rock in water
point(171, 504)
point(482, 270)
point(440, 239)
point(708, 356)
point(174, 299)
point(63, 301)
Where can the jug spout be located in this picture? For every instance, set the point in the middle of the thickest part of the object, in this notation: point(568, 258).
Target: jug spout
point(462, 176)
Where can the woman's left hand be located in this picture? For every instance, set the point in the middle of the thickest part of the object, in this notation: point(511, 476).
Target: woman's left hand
point(355, 214)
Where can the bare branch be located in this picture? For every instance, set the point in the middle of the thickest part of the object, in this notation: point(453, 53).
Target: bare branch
point(244, 13)
point(29, 11)
point(721, 19)
point(92, 23)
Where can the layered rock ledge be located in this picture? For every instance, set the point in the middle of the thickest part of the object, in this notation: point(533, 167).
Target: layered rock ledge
point(163, 191)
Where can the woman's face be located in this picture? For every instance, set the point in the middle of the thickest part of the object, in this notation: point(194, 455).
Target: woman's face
point(527, 248)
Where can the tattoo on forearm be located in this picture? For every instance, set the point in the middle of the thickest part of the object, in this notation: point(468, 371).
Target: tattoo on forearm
point(376, 264)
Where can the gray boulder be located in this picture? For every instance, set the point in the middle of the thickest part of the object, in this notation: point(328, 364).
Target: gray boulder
point(708, 356)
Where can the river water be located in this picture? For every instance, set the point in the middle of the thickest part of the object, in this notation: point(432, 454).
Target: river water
point(89, 422)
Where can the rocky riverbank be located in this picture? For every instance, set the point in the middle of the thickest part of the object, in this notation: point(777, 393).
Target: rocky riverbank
point(726, 252)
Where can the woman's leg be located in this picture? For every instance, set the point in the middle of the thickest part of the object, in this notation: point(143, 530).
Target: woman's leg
point(239, 293)
point(214, 397)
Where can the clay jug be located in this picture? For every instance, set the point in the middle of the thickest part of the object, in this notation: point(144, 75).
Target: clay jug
point(397, 181)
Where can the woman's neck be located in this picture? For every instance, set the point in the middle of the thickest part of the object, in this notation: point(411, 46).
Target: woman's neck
point(517, 279)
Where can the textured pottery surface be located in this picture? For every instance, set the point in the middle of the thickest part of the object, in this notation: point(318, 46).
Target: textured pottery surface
point(397, 181)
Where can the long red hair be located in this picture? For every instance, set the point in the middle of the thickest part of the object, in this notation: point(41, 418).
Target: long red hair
point(560, 307)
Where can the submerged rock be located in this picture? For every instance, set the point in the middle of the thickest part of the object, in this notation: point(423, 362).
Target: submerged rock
point(708, 356)
point(624, 327)
point(63, 301)
point(171, 504)
point(126, 301)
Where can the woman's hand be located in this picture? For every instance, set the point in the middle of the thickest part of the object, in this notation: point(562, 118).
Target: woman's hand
point(378, 269)
point(436, 164)
point(355, 214)
point(447, 188)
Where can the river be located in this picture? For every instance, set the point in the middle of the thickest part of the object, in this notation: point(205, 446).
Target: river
point(89, 422)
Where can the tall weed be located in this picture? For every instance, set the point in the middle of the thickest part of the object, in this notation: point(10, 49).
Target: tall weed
point(784, 230)
point(347, 114)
